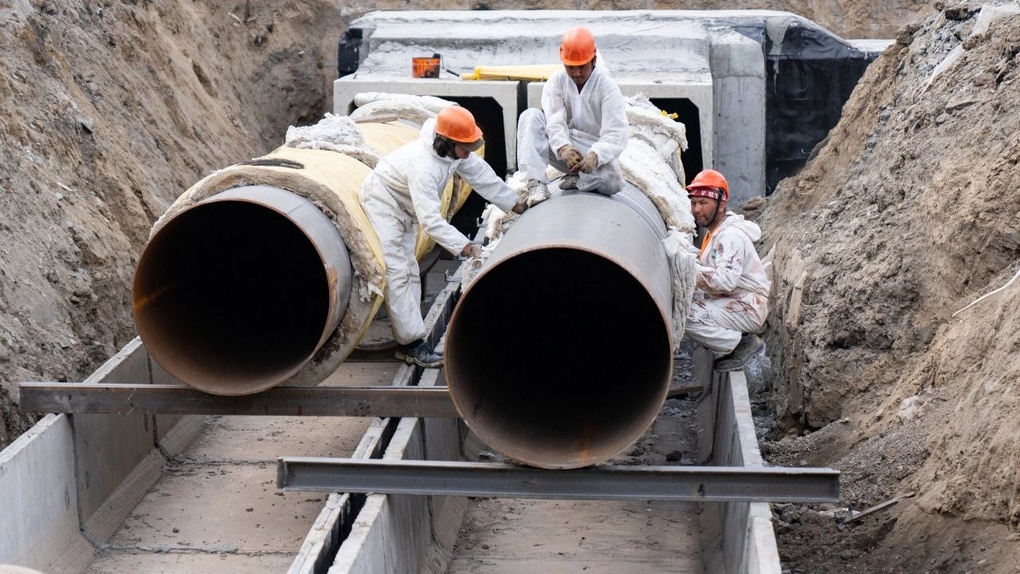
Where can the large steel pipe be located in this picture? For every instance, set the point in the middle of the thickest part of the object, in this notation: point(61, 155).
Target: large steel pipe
point(559, 352)
point(237, 292)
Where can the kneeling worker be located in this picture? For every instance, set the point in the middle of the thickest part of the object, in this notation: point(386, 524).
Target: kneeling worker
point(732, 293)
point(403, 192)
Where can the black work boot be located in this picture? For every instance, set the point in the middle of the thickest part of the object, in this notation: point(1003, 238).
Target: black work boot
point(749, 346)
point(420, 353)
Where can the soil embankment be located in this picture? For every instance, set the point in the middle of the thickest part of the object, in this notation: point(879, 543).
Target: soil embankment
point(907, 214)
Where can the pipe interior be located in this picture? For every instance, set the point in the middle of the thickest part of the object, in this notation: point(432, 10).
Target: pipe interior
point(230, 294)
point(558, 357)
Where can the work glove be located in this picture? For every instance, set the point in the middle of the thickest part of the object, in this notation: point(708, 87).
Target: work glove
point(536, 192)
point(569, 156)
point(521, 206)
point(471, 251)
point(587, 164)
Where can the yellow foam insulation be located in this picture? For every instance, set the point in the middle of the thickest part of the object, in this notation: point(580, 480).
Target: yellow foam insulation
point(331, 180)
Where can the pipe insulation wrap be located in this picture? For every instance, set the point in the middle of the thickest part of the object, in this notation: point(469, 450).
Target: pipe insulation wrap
point(240, 290)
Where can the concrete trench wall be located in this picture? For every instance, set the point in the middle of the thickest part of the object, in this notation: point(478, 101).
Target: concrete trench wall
point(377, 533)
point(72, 479)
point(738, 537)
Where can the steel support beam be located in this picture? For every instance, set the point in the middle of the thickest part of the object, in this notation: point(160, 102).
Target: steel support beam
point(277, 401)
point(681, 483)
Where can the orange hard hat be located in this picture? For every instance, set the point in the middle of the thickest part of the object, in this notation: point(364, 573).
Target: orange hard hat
point(457, 123)
point(578, 47)
point(709, 183)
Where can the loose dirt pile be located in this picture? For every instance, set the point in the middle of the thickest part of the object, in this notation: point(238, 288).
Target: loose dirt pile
point(908, 213)
point(112, 110)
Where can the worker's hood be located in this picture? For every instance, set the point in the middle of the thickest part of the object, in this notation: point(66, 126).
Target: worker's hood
point(750, 228)
point(428, 132)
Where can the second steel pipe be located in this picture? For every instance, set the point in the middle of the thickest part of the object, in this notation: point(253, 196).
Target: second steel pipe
point(559, 353)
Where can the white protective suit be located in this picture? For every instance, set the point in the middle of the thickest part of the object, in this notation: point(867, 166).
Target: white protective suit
point(402, 192)
point(592, 119)
point(732, 293)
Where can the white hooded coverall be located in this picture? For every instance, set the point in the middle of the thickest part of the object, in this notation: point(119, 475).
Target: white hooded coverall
point(593, 119)
point(732, 293)
point(402, 192)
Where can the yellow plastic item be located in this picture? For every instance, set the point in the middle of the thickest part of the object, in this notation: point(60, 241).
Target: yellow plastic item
point(529, 73)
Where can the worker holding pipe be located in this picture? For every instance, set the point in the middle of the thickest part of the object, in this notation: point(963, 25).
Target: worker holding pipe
point(582, 127)
point(403, 192)
point(732, 294)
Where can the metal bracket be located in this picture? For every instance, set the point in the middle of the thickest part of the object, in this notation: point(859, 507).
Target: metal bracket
point(395, 401)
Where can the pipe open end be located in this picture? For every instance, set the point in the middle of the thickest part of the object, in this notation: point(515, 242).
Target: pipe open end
point(232, 297)
point(558, 358)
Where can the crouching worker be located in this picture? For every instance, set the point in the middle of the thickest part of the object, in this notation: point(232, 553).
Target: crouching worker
point(732, 294)
point(403, 192)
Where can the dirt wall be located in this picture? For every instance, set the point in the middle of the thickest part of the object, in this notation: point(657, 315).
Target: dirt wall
point(907, 214)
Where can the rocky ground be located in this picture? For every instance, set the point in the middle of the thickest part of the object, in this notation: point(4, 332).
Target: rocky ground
point(905, 216)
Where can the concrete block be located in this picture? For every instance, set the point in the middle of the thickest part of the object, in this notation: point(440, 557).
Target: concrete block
point(504, 93)
point(734, 54)
point(738, 72)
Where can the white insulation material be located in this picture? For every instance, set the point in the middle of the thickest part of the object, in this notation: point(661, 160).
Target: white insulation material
point(333, 133)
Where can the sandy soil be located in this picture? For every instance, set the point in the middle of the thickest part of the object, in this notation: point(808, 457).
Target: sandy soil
point(111, 110)
point(905, 216)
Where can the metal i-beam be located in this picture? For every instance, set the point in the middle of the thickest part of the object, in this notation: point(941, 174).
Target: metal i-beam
point(682, 483)
point(278, 401)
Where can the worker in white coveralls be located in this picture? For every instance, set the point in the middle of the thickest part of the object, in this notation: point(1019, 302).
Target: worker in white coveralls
point(403, 192)
point(582, 127)
point(732, 293)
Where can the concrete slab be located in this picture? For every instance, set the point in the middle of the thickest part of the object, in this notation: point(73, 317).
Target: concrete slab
point(259, 438)
point(216, 507)
point(173, 560)
point(511, 536)
point(363, 374)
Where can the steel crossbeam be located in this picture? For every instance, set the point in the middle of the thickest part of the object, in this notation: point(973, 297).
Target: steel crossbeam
point(678, 483)
point(278, 401)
